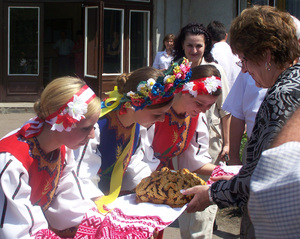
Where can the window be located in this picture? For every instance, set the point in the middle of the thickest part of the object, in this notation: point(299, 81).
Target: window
point(23, 40)
point(139, 39)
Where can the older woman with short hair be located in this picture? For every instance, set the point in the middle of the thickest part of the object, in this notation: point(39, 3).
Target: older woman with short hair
point(265, 40)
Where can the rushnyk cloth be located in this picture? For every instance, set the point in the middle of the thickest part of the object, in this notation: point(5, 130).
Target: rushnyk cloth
point(126, 219)
point(224, 170)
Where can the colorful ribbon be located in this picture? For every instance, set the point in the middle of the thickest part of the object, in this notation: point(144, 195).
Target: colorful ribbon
point(107, 105)
point(117, 176)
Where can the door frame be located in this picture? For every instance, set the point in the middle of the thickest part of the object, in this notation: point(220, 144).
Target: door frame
point(94, 82)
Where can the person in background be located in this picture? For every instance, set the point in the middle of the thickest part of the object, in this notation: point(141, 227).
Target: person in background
point(64, 48)
point(163, 59)
point(39, 192)
point(274, 196)
point(222, 52)
point(114, 48)
point(243, 102)
point(256, 36)
point(194, 43)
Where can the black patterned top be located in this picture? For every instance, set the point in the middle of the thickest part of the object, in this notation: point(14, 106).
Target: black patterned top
point(280, 102)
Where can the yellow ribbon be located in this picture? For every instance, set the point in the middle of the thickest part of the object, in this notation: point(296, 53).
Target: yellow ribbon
point(116, 176)
point(115, 97)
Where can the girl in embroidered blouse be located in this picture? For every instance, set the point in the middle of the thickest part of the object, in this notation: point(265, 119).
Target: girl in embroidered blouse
point(112, 162)
point(39, 190)
point(184, 133)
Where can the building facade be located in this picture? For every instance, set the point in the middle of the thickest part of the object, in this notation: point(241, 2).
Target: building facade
point(104, 38)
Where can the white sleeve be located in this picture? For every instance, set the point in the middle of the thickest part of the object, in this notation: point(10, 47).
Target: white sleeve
point(196, 155)
point(68, 206)
point(20, 217)
point(88, 159)
point(234, 100)
point(156, 61)
point(143, 162)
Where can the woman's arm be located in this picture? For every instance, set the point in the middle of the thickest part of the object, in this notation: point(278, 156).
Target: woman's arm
point(143, 162)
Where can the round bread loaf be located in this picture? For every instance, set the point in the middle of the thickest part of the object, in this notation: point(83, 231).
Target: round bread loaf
point(163, 187)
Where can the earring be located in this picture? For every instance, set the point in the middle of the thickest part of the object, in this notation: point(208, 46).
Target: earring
point(268, 66)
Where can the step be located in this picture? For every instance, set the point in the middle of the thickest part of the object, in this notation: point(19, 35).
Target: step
point(16, 107)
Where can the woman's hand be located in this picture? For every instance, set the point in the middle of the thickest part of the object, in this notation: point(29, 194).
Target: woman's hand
point(200, 200)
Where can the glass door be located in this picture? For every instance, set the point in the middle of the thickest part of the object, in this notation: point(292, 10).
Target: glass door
point(113, 41)
point(92, 65)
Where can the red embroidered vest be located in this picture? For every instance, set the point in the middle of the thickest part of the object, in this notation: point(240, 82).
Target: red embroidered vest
point(44, 174)
point(172, 137)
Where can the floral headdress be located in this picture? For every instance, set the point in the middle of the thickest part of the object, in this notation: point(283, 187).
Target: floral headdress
point(66, 117)
point(71, 112)
point(203, 86)
point(150, 92)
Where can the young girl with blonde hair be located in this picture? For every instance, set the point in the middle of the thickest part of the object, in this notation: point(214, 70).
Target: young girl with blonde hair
point(39, 189)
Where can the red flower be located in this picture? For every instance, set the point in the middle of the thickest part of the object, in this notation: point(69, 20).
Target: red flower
point(137, 102)
point(168, 86)
point(200, 87)
point(66, 119)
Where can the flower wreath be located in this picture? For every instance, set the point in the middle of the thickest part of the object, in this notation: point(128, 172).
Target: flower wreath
point(206, 86)
point(152, 92)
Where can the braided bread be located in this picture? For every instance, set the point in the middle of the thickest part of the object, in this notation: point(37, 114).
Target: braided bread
point(163, 187)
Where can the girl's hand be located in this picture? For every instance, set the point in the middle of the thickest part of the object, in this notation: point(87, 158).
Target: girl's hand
point(155, 234)
point(224, 177)
point(224, 154)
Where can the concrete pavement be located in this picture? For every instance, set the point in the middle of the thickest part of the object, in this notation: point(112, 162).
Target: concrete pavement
point(13, 115)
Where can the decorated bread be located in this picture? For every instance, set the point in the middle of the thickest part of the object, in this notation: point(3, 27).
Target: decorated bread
point(163, 187)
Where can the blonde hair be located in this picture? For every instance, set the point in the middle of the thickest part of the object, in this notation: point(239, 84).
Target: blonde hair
point(60, 91)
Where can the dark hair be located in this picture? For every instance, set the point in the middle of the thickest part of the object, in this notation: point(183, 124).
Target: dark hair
point(203, 71)
point(193, 29)
point(217, 30)
point(167, 37)
point(129, 81)
point(263, 28)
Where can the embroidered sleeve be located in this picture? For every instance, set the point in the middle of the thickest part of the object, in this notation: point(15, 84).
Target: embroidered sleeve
point(15, 193)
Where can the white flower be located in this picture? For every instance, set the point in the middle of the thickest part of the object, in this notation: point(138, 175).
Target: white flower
point(189, 87)
point(140, 87)
point(130, 94)
point(150, 83)
point(212, 84)
point(166, 78)
point(58, 127)
point(77, 108)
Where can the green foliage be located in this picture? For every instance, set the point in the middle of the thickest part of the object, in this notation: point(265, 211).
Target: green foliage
point(243, 143)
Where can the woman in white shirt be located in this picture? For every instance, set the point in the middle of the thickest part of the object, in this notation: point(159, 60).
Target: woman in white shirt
point(164, 58)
